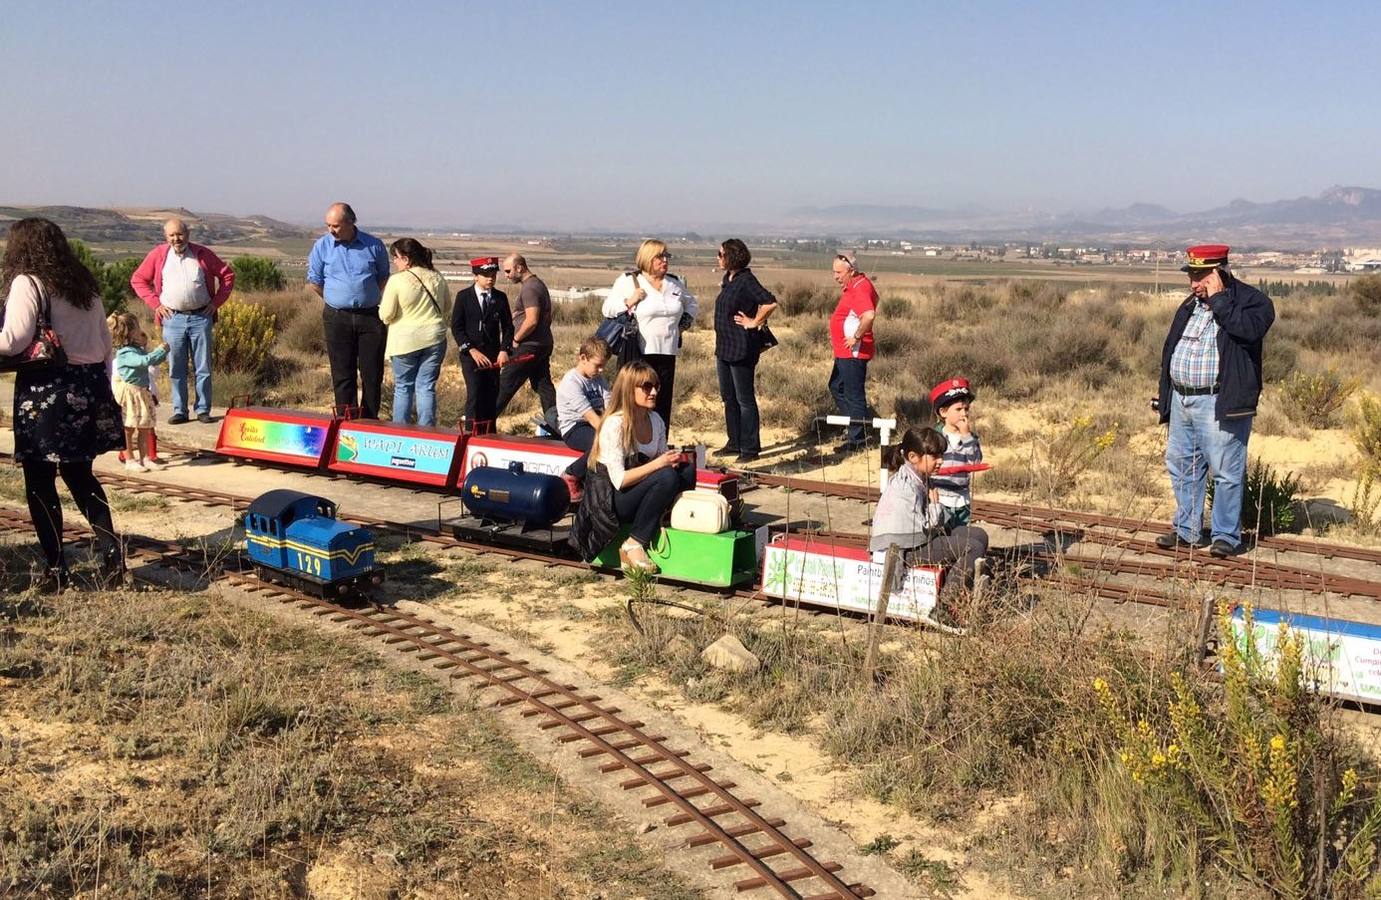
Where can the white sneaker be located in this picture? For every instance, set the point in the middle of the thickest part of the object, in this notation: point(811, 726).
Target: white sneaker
point(154, 464)
point(132, 465)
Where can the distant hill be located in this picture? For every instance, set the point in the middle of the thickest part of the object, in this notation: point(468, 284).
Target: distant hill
point(1337, 216)
point(145, 225)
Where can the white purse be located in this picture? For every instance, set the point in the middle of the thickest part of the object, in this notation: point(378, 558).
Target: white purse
point(706, 512)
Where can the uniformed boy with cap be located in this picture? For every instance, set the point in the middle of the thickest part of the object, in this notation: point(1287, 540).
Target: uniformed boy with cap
point(482, 325)
point(951, 399)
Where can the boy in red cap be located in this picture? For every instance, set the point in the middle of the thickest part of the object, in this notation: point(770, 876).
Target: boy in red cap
point(951, 400)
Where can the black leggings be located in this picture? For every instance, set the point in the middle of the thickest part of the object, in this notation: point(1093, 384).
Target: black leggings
point(644, 503)
point(41, 491)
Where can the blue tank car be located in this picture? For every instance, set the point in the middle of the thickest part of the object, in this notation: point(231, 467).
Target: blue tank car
point(296, 538)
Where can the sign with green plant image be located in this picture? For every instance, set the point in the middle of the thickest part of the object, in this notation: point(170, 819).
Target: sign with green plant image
point(844, 578)
point(1340, 657)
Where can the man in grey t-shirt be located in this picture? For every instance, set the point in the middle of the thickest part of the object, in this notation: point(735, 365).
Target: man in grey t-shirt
point(531, 335)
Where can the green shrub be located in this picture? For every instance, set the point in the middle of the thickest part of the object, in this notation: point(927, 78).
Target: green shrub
point(112, 279)
point(257, 273)
point(1269, 500)
point(1250, 772)
point(1366, 431)
point(1317, 398)
point(244, 336)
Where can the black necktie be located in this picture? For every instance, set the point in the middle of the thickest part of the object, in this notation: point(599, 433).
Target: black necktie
point(484, 302)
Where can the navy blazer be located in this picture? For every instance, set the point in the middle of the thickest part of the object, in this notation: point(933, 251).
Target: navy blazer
point(488, 333)
point(1244, 315)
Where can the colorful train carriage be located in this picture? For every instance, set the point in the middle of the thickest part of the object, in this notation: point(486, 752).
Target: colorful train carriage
point(295, 537)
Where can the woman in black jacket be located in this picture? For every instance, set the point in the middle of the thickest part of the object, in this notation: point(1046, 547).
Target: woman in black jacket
point(740, 317)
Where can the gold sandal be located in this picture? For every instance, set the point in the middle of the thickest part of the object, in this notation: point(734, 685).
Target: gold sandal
point(633, 556)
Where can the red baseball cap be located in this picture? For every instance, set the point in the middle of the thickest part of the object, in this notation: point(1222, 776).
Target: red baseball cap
point(484, 265)
point(951, 391)
point(1205, 256)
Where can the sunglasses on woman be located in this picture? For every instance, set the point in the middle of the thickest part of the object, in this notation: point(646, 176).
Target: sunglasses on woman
point(649, 387)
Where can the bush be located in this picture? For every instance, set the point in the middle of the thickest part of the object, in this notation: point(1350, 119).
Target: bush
point(1268, 500)
point(1318, 397)
point(244, 335)
point(1366, 432)
point(1251, 773)
point(257, 273)
point(111, 279)
point(1367, 292)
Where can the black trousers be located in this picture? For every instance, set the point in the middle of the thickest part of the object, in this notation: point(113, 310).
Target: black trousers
point(959, 549)
point(646, 502)
point(582, 438)
point(536, 372)
point(664, 364)
point(355, 340)
point(41, 492)
point(481, 392)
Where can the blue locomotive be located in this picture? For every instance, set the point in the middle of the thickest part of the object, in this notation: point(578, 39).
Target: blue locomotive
point(296, 538)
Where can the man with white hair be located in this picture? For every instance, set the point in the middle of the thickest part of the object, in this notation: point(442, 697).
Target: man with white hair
point(184, 284)
point(851, 338)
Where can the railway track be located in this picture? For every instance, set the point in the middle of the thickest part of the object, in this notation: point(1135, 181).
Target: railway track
point(759, 847)
point(1119, 533)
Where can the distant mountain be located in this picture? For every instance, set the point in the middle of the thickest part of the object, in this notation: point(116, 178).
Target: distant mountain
point(1339, 215)
point(145, 225)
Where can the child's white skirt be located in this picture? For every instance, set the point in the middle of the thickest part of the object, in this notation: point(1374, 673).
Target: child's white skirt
point(136, 403)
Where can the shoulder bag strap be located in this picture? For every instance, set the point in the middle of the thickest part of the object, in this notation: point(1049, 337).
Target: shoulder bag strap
point(45, 308)
point(430, 296)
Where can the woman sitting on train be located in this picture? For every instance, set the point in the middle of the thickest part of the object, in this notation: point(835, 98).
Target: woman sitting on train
point(909, 515)
point(634, 478)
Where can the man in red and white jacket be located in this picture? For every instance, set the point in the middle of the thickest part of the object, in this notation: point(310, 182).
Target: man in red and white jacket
point(184, 284)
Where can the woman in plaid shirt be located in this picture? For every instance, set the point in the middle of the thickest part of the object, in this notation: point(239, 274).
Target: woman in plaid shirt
point(740, 335)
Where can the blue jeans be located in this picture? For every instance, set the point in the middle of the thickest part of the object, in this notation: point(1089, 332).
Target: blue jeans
point(189, 333)
point(740, 404)
point(414, 377)
point(1198, 444)
point(847, 382)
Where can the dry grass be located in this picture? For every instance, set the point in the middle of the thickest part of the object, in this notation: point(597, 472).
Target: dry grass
point(153, 744)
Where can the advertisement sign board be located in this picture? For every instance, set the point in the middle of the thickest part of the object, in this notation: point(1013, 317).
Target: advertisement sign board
point(843, 577)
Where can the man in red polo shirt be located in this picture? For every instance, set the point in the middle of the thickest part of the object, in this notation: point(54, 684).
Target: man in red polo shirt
point(851, 336)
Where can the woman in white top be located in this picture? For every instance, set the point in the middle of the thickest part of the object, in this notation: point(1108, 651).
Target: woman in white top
point(663, 307)
point(631, 445)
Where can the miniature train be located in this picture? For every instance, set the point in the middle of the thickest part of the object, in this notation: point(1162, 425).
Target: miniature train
point(515, 495)
point(295, 538)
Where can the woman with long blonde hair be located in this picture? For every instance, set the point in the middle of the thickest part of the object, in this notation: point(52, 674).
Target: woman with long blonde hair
point(630, 450)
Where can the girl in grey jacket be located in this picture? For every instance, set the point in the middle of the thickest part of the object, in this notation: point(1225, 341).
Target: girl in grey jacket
point(909, 513)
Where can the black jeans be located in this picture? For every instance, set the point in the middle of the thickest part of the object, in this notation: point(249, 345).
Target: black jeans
point(355, 340)
point(848, 382)
point(536, 372)
point(481, 392)
point(41, 492)
point(664, 364)
point(959, 549)
point(740, 404)
point(581, 437)
point(646, 502)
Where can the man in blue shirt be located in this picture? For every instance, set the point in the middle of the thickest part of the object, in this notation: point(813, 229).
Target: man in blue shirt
point(348, 269)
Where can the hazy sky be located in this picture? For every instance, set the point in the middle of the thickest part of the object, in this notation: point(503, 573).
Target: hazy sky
point(646, 114)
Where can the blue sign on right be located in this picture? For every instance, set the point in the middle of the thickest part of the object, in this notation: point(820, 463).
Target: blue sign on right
point(1341, 657)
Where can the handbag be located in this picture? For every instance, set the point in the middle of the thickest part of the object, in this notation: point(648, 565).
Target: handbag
point(705, 512)
point(621, 332)
point(46, 350)
point(766, 339)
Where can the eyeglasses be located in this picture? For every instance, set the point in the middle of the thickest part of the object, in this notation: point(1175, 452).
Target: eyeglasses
point(720, 253)
point(508, 271)
point(665, 254)
point(649, 387)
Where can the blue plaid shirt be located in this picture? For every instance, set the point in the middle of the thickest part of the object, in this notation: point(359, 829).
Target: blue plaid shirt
point(1194, 364)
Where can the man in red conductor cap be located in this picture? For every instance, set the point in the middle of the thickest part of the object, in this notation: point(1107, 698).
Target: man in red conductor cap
point(483, 328)
point(1210, 380)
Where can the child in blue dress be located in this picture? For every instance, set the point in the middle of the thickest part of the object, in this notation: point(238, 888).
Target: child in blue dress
point(131, 387)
